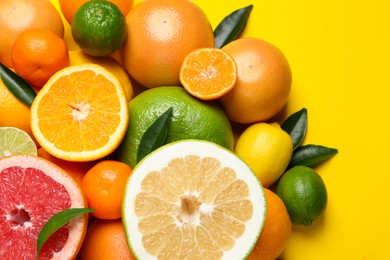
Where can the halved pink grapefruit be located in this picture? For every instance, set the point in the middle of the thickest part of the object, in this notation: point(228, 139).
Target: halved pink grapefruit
point(32, 190)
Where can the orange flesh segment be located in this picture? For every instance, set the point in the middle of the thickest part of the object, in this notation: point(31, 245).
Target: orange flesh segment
point(189, 209)
point(208, 73)
point(80, 106)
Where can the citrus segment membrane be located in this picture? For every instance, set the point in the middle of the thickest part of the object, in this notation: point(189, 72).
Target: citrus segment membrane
point(81, 114)
point(193, 199)
point(32, 191)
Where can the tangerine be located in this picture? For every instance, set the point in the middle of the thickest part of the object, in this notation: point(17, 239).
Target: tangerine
point(208, 73)
point(37, 54)
point(104, 186)
point(19, 15)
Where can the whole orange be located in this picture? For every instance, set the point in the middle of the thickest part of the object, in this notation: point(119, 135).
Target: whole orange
point(276, 230)
point(264, 81)
point(104, 186)
point(75, 169)
point(69, 8)
point(37, 54)
point(160, 34)
point(105, 239)
point(19, 15)
point(12, 111)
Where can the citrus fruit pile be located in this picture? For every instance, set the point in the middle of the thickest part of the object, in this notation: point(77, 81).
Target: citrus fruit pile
point(129, 144)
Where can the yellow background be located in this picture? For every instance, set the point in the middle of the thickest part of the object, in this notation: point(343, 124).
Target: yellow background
point(339, 54)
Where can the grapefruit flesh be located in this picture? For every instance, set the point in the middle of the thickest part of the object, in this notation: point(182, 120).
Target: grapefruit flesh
point(32, 191)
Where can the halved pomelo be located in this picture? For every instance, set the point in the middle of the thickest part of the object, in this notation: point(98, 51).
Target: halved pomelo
point(32, 190)
point(193, 200)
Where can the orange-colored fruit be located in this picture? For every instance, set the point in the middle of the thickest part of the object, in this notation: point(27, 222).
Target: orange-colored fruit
point(37, 54)
point(32, 191)
point(105, 239)
point(69, 8)
point(160, 34)
point(263, 84)
point(19, 15)
point(276, 230)
point(208, 73)
point(75, 169)
point(81, 114)
point(13, 112)
point(104, 186)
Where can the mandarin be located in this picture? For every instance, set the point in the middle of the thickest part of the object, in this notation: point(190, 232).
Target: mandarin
point(19, 15)
point(160, 35)
point(104, 186)
point(37, 54)
point(69, 8)
point(263, 84)
point(105, 240)
point(276, 230)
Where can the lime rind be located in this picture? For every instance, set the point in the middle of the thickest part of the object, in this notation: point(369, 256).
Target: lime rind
point(159, 158)
point(16, 141)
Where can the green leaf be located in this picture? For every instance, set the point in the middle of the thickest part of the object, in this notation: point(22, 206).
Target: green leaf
point(296, 125)
point(17, 85)
point(56, 222)
point(231, 26)
point(310, 154)
point(155, 135)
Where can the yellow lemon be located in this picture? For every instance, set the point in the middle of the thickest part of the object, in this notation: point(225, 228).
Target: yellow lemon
point(267, 149)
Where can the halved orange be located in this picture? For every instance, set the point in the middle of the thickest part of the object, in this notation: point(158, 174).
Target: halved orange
point(208, 73)
point(81, 114)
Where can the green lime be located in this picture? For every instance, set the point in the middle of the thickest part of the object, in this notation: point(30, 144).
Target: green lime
point(192, 119)
point(15, 141)
point(304, 193)
point(99, 28)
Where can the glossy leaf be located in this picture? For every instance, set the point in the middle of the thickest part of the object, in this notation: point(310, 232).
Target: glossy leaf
point(296, 125)
point(231, 26)
point(310, 154)
point(155, 135)
point(17, 85)
point(56, 222)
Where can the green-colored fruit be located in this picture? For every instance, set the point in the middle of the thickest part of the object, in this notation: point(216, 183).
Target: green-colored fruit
point(192, 119)
point(304, 193)
point(99, 28)
point(15, 141)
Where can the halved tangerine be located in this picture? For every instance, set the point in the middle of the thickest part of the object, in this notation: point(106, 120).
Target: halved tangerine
point(208, 73)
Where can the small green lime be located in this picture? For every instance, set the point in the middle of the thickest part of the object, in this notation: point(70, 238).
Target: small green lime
point(99, 28)
point(15, 141)
point(304, 193)
point(192, 119)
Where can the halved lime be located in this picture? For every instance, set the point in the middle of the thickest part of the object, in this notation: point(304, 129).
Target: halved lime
point(193, 199)
point(15, 141)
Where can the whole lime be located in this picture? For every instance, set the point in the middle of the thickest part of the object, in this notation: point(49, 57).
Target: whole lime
point(304, 193)
point(99, 28)
point(191, 119)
